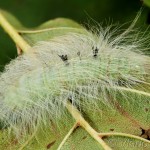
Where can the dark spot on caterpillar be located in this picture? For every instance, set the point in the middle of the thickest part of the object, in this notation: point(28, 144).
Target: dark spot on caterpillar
point(146, 109)
point(95, 51)
point(50, 144)
point(145, 134)
point(64, 58)
point(79, 54)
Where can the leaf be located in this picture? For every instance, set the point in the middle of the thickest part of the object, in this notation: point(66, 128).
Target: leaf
point(147, 2)
point(46, 31)
point(123, 120)
point(51, 29)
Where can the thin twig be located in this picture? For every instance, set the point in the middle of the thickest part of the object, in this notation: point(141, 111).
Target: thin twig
point(123, 135)
point(68, 134)
point(13, 33)
point(83, 123)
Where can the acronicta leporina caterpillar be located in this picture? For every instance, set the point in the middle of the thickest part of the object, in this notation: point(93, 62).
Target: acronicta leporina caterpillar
point(73, 67)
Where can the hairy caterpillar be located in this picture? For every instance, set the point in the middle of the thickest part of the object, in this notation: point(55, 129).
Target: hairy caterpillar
point(81, 68)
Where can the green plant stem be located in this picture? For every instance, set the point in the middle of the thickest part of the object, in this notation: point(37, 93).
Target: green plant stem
point(20, 42)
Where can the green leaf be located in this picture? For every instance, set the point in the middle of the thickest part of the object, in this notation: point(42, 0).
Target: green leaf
point(51, 29)
point(147, 2)
point(46, 31)
point(128, 115)
point(123, 120)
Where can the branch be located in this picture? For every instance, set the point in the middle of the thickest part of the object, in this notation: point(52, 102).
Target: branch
point(67, 136)
point(83, 123)
point(13, 33)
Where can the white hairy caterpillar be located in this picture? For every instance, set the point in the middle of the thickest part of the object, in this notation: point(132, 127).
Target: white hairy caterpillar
point(75, 67)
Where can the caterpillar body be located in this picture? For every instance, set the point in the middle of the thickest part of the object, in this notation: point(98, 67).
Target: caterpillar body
point(76, 67)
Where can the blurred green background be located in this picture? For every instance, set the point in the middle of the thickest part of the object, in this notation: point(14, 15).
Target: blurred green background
point(34, 12)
